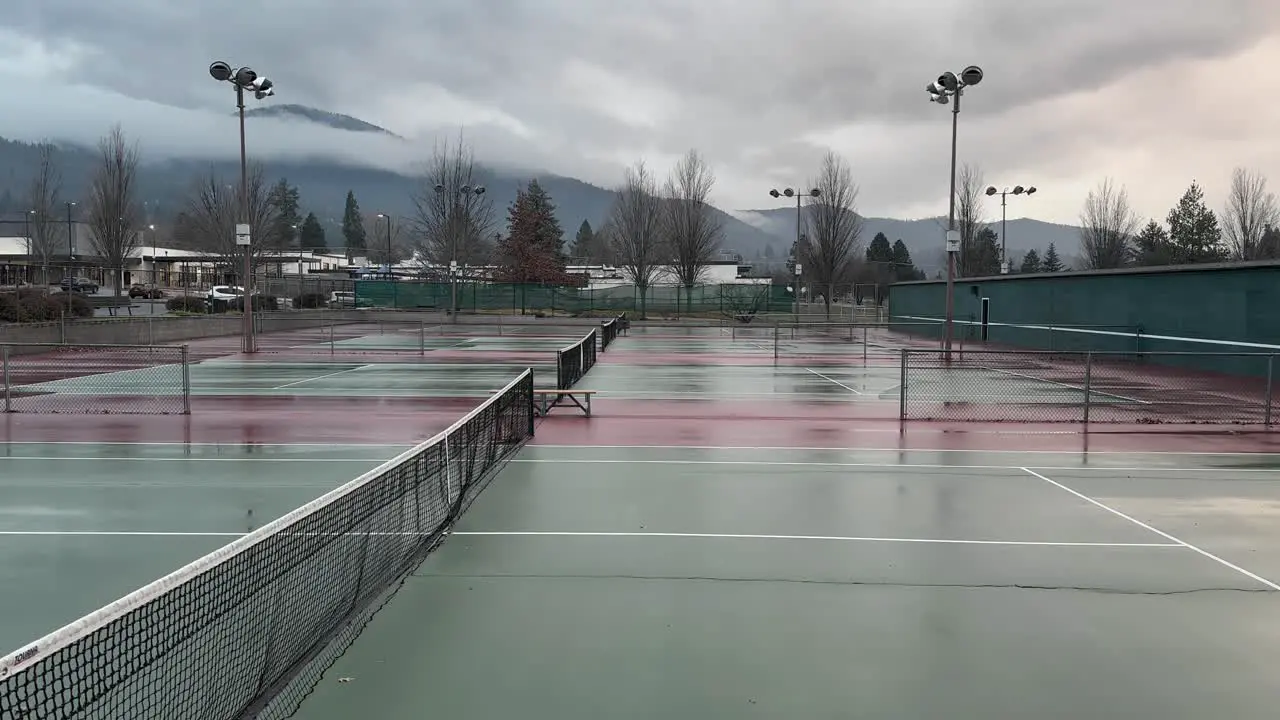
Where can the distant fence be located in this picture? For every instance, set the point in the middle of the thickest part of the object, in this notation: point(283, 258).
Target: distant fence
point(1149, 388)
point(731, 299)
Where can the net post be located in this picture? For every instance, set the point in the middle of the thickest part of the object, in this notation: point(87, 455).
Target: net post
point(186, 380)
point(775, 342)
point(422, 337)
point(530, 405)
point(1266, 412)
point(4, 378)
point(1088, 384)
point(864, 345)
point(902, 390)
point(499, 324)
point(851, 328)
point(332, 349)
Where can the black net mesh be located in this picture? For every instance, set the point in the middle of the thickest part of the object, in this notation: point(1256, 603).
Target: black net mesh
point(574, 361)
point(248, 630)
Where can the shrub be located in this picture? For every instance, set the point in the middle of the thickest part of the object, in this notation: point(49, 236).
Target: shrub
point(9, 311)
point(37, 307)
point(72, 305)
point(311, 300)
point(189, 303)
point(260, 303)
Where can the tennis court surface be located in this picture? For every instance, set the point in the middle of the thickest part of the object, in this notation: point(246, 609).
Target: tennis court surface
point(724, 538)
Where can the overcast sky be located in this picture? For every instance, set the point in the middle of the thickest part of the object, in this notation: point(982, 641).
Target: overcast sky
point(1152, 93)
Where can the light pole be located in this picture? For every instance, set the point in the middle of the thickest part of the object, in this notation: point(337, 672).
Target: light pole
point(795, 254)
point(1017, 190)
point(71, 243)
point(949, 86)
point(244, 78)
point(155, 267)
point(387, 219)
point(449, 210)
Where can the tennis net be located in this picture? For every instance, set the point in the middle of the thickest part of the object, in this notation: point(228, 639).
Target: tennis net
point(248, 630)
point(574, 361)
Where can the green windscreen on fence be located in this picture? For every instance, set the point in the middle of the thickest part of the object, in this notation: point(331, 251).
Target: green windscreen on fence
point(727, 299)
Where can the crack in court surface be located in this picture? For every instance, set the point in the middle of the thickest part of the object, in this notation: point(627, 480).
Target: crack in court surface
point(848, 583)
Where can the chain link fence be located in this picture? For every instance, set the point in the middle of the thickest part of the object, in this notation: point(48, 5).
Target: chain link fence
point(95, 379)
point(1087, 387)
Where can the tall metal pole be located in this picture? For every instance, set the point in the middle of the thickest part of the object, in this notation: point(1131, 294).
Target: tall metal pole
point(71, 248)
point(799, 267)
point(1004, 231)
point(951, 227)
point(249, 345)
point(388, 219)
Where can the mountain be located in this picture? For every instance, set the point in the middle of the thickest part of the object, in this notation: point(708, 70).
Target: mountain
point(925, 237)
point(323, 186)
point(338, 121)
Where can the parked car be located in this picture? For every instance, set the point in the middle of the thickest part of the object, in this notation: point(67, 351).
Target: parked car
point(342, 299)
point(224, 292)
point(150, 292)
point(80, 284)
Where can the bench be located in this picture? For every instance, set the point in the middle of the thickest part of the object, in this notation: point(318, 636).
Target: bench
point(545, 399)
point(111, 303)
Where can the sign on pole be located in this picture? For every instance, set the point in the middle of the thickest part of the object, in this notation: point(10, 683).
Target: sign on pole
point(953, 241)
point(242, 234)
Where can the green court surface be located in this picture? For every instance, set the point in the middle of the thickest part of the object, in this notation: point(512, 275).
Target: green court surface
point(695, 583)
point(83, 525)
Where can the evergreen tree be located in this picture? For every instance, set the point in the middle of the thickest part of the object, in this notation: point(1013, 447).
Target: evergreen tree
point(879, 250)
point(1030, 262)
point(353, 228)
point(284, 198)
point(311, 235)
point(532, 251)
point(1152, 246)
point(769, 252)
point(1051, 262)
point(903, 266)
point(1194, 235)
point(983, 254)
point(584, 243)
point(1269, 245)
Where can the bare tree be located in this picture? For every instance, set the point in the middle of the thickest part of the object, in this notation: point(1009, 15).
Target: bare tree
point(635, 228)
point(834, 227)
point(1107, 227)
point(43, 200)
point(451, 222)
point(115, 214)
point(1251, 209)
point(213, 210)
point(692, 229)
point(388, 243)
point(970, 218)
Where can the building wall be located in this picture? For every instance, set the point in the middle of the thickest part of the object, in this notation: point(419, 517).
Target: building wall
point(1190, 309)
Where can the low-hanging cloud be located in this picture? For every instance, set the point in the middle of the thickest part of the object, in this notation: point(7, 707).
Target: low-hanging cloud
point(1075, 90)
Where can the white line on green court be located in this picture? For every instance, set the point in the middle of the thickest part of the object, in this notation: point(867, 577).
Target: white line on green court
point(886, 466)
point(1155, 530)
point(322, 377)
point(46, 458)
point(793, 448)
point(837, 382)
point(692, 536)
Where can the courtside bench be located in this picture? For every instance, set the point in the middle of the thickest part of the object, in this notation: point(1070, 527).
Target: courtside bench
point(111, 303)
point(545, 399)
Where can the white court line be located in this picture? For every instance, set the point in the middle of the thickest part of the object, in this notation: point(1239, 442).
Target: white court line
point(816, 538)
point(1161, 533)
point(208, 444)
point(887, 466)
point(903, 450)
point(322, 377)
point(1065, 385)
point(837, 382)
point(704, 536)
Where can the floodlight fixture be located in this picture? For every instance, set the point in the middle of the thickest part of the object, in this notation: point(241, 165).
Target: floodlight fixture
point(991, 190)
point(220, 71)
point(1031, 190)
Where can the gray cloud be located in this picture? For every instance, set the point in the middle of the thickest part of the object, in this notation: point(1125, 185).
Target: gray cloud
point(582, 86)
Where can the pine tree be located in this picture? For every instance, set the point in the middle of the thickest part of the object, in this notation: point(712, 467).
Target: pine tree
point(1194, 235)
point(879, 250)
point(584, 243)
point(983, 254)
point(311, 235)
point(353, 228)
point(1051, 262)
point(532, 250)
point(1030, 262)
point(1269, 245)
point(1152, 246)
point(284, 199)
point(903, 266)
